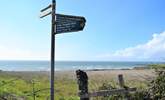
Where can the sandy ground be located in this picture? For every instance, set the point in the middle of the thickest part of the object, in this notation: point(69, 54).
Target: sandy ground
point(101, 75)
point(141, 75)
point(128, 74)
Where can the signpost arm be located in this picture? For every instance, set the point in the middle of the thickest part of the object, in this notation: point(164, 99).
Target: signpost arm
point(53, 32)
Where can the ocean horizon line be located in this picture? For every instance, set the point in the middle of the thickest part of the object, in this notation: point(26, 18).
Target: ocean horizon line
point(24, 65)
point(88, 60)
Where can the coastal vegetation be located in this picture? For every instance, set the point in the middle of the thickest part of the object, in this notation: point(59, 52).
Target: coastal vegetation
point(35, 85)
point(156, 66)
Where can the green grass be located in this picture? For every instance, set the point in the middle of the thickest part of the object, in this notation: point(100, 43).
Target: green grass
point(156, 66)
point(65, 89)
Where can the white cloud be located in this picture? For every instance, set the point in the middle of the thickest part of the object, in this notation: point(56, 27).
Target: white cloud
point(154, 49)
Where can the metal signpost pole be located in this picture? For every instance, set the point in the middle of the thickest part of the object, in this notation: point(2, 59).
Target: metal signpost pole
point(60, 24)
point(53, 32)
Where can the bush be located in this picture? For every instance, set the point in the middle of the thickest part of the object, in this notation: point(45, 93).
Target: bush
point(157, 86)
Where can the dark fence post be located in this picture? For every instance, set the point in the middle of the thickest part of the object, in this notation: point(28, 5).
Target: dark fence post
point(122, 85)
point(82, 80)
point(121, 80)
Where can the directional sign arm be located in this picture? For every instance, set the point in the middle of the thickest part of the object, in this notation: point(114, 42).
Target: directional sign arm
point(46, 14)
point(69, 23)
point(46, 11)
point(46, 8)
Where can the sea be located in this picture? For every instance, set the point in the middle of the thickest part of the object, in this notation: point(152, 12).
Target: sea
point(70, 65)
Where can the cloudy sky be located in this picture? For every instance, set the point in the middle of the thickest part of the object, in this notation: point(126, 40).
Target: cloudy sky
point(116, 30)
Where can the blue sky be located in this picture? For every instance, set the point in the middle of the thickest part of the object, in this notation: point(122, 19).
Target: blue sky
point(120, 30)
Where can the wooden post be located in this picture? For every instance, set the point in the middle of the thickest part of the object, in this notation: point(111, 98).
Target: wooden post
point(121, 80)
point(122, 85)
point(82, 80)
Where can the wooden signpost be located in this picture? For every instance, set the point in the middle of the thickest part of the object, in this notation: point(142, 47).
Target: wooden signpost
point(60, 24)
